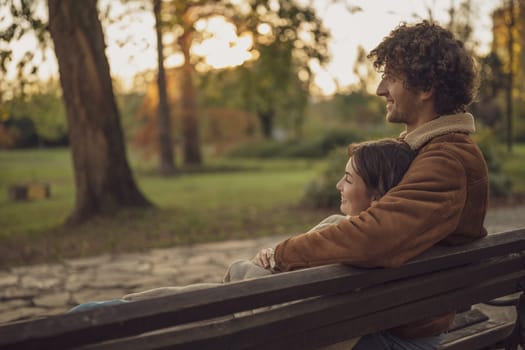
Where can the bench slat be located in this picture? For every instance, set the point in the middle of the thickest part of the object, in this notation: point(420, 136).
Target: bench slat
point(333, 317)
point(386, 319)
point(479, 335)
point(134, 318)
point(467, 318)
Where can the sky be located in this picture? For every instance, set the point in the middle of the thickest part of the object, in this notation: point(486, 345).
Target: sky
point(348, 30)
point(368, 27)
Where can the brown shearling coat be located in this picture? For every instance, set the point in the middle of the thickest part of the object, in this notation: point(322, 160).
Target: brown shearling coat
point(443, 197)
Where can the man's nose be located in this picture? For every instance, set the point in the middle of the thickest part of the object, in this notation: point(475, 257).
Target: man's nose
point(381, 88)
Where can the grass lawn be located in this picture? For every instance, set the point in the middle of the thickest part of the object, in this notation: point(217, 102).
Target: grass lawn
point(231, 199)
point(227, 199)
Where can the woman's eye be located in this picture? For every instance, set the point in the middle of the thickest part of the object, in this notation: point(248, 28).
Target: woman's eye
point(347, 179)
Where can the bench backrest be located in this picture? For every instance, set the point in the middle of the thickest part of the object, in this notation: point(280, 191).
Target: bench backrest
point(336, 302)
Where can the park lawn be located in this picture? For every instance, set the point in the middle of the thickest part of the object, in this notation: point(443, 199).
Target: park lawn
point(228, 199)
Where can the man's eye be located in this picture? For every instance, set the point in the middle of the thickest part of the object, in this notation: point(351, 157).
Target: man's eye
point(388, 77)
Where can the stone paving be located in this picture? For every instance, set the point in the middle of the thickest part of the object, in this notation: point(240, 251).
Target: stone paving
point(37, 291)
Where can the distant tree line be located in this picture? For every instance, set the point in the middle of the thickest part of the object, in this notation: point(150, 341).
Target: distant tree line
point(273, 88)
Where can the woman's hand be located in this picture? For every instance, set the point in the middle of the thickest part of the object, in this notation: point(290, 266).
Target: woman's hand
point(263, 258)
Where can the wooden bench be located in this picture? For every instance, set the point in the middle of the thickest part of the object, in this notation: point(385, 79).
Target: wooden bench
point(328, 304)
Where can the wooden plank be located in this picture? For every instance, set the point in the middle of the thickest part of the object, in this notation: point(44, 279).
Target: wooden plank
point(478, 336)
point(303, 320)
point(29, 191)
point(467, 319)
point(385, 319)
point(134, 318)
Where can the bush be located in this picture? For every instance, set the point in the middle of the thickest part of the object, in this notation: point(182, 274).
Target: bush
point(321, 192)
point(37, 119)
point(18, 133)
point(500, 184)
point(316, 147)
point(263, 149)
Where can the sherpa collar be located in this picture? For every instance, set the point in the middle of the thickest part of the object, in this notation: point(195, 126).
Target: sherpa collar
point(461, 122)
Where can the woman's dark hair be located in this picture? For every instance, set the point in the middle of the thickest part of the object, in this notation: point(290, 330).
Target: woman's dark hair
point(382, 163)
point(429, 57)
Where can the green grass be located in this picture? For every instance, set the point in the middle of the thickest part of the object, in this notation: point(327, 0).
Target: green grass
point(225, 199)
point(229, 199)
point(42, 166)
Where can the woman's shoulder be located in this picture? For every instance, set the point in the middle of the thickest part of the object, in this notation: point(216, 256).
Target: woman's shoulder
point(330, 220)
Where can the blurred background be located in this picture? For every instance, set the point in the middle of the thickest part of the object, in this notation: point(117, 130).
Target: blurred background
point(191, 121)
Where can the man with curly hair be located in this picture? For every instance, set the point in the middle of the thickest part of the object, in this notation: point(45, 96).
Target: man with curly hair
point(428, 80)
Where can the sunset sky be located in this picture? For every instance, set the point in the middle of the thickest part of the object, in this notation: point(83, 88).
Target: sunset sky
point(365, 28)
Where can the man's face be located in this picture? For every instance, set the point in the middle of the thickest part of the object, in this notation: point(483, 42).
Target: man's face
point(402, 104)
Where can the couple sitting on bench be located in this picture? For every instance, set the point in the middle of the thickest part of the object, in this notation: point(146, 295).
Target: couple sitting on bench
point(428, 80)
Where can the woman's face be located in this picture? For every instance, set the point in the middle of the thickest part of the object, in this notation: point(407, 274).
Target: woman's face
point(354, 194)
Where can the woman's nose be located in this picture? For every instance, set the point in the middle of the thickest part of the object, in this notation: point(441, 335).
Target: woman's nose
point(338, 185)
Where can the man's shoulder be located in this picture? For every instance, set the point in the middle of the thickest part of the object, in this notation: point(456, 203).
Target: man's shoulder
point(452, 137)
point(454, 141)
point(458, 146)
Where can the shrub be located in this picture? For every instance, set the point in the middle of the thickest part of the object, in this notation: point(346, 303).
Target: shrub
point(316, 147)
point(263, 149)
point(18, 133)
point(321, 192)
point(500, 184)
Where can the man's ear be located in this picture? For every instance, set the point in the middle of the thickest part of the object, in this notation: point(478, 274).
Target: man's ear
point(426, 95)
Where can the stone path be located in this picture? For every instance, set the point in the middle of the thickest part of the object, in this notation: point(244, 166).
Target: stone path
point(37, 291)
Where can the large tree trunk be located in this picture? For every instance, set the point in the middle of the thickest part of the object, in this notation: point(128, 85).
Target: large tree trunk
point(192, 153)
point(103, 178)
point(167, 158)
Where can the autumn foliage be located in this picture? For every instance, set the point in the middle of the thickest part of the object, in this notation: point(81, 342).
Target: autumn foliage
point(220, 128)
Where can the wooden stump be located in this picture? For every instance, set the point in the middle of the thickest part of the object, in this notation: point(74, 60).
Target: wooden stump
point(21, 192)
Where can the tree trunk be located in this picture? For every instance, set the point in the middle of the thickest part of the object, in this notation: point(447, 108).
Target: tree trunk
point(266, 119)
point(103, 177)
point(192, 153)
point(508, 96)
point(167, 158)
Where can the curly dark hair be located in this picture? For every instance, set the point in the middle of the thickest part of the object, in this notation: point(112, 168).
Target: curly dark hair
point(428, 56)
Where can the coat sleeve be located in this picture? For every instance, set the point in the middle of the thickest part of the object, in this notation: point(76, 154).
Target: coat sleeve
point(421, 210)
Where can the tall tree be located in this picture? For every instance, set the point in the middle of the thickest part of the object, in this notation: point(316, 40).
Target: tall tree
point(288, 38)
point(294, 38)
point(486, 107)
point(187, 18)
point(103, 178)
point(462, 20)
point(268, 80)
point(167, 157)
point(508, 43)
point(183, 16)
point(364, 70)
point(511, 25)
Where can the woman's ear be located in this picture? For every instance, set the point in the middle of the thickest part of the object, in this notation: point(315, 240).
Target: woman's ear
point(375, 196)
